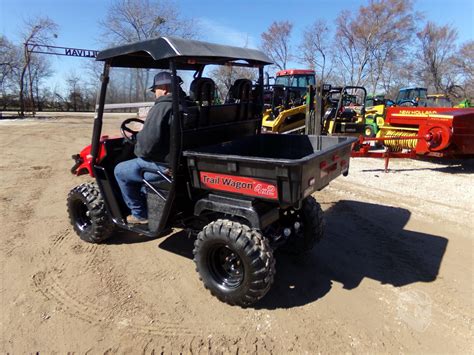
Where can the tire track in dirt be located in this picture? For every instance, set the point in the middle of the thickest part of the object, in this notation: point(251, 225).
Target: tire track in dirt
point(52, 289)
point(59, 238)
point(22, 208)
point(70, 301)
point(65, 255)
point(57, 283)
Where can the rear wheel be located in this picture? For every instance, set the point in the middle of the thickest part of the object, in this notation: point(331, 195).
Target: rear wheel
point(234, 262)
point(369, 131)
point(303, 228)
point(88, 215)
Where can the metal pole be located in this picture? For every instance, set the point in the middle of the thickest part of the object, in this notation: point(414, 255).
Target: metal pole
point(309, 124)
point(175, 135)
point(99, 113)
point(32, 103)
point(260, 98)
point(318, 124)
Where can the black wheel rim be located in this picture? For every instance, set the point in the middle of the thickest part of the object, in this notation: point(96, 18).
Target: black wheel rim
point(294, 221)
point(226, 266)
point(81, 216)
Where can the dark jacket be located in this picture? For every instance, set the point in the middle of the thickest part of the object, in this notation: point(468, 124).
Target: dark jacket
point(153, 141)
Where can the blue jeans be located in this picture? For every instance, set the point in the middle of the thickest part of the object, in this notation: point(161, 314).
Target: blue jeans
point(129, 175)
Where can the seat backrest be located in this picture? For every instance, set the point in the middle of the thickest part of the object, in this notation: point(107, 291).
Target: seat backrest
point(202, 90)
point(240, 91)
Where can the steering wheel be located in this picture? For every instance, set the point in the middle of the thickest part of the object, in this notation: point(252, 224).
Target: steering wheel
point(127, 133)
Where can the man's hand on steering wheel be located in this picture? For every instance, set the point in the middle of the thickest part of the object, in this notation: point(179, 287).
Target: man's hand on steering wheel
point(127, 133)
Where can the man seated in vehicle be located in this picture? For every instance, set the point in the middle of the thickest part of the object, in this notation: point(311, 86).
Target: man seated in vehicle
point(152, 147)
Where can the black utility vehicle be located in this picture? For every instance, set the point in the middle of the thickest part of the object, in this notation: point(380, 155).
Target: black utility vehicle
point(244, 194)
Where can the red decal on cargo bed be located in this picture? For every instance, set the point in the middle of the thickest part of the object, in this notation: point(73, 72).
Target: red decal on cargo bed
point(238, 184)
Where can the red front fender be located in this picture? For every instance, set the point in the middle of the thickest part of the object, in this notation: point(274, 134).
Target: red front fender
point(83, 160)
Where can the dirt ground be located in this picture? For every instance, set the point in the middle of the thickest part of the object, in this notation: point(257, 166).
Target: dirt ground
point(393, 274)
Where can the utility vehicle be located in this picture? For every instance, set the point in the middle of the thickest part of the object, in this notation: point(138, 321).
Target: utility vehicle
point(242, 193)
point(344, 110)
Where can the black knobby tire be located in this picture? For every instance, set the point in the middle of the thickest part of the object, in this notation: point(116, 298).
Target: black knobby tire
point(369, 131)
point(88, 214)
point(234, 262)
point(311, 219)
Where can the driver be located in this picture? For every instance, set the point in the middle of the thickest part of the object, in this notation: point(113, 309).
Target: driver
point(152, 147)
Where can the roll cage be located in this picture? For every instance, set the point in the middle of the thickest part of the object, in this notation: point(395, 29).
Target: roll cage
point(172, 53)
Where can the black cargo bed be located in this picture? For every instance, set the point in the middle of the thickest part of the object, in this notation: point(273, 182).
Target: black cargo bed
point(293, 166)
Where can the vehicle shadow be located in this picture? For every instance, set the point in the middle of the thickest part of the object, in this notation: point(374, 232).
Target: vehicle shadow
point(362, 240)
point(179, 243)
point(126, 237)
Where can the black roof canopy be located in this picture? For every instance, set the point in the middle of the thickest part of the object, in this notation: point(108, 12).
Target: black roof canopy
point(188, 54)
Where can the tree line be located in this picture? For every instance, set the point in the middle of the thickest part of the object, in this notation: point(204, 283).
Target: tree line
point(23, 73)
point(379, 46)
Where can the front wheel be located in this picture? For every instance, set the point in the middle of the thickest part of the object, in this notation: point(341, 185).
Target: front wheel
point(234, 262)
point(88, 214)
point(369, 131)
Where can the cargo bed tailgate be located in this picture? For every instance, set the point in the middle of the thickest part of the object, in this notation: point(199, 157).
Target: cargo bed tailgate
point(283, 168)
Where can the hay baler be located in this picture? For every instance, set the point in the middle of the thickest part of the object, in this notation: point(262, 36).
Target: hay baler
point(423, 131)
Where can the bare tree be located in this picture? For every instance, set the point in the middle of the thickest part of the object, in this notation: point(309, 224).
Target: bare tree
point(399, 72)
point(135, 20)
point(38, 31)
point(10, 64)
point(74, 90)
point(437, 44)
point(225, 76)
point(393, 25)
point(352, 53)
point(463, 61)
point(276, 43)
point(8, 60)
point(315, 49)
point(39, 69)
point(374, 36)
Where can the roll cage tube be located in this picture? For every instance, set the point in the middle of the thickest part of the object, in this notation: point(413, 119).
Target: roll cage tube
point(344, 90)
point(175, 145)
point(97, 130)
point(260, 97)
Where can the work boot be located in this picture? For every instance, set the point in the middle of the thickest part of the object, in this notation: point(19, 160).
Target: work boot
point(135, 220)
